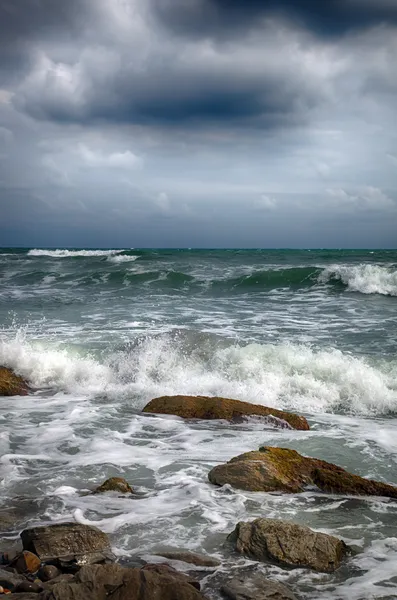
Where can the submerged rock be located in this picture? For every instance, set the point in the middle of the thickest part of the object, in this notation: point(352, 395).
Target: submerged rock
point(203, 407)
point(70, 540)
point(199, 560)
point(281, 469)
point(114, 484)
point(256, 587)
point(11, 384)
point(288, 544)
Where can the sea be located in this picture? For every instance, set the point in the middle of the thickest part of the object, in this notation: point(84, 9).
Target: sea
point(100, 332)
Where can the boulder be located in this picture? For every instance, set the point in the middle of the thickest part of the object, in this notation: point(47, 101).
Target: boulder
point(114, 484)
point(288, 544)
point(71, 541)
point(120, 583)
point(164, 569)
point(203, 407)
point(281, 469)
point(256, 587)
point(199, 560)
point(28, 587)
point(11, 384)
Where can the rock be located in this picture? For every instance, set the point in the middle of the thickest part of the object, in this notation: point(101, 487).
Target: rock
point(26, 562)
point(285, 470)
point(200, 560)
point(9, 579)
point(80, 542)
point(100, 582)
point(114, 484)
point(48, 572)
point(11, 384)
point(164, 569)
point(139, 584)
point(203, 407)
point(256, 587)
point(288, 544)
point(28, 587)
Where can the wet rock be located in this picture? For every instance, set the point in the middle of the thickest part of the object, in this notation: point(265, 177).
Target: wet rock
point(114, 484)
point(140, 584)
point(26, 562)
point(28, 587)
point(164, 569)
point(288, 544)
point(10, 579)
point(100, 582)
point(80, 543)
point(256, 587)
point(281, 469)
point(11, 384)
point(200, 560)
point(48, 572)
point(203, 407)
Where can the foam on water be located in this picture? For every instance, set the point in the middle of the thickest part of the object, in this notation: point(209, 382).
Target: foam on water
point(122, 258)
point(72, 253)
point(287, 376)
point(364, 278)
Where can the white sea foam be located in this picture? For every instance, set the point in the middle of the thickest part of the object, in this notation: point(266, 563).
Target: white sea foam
point(121, 258)
point(281, 375)
point(72, 253)
point(364, 278)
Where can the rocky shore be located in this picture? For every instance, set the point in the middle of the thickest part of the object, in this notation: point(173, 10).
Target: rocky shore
point(74, 561)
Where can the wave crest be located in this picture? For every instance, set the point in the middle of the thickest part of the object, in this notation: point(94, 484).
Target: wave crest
point(72, 253)
point(286, 376)
point(363, 278)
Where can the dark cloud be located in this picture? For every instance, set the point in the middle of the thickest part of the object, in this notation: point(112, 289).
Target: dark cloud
point(25, 22)
point(220, 17)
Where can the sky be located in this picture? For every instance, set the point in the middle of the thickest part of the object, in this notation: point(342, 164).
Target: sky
point(198, 123)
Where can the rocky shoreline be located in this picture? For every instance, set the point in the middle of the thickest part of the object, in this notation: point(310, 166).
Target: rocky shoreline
point(73, 561)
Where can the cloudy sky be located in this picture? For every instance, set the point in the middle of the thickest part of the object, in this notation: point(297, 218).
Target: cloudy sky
point(198, 123)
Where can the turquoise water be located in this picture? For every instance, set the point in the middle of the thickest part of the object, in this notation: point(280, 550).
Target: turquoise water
point(99, 333)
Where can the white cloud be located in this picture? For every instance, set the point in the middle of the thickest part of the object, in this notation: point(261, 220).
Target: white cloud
point(119, 160)
point(265, 202)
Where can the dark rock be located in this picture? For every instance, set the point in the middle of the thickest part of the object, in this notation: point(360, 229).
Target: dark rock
point(164, 569)
point(26, 562)
point(200, 560)
point(288, 544)
point(114, 484)
point(281, 469)
point(256, 587)
point(11, 384)
point(48, 572)
point(83, 542)
point(203, 407)
point(28, 587)
point(72, 591)
point(9, 579)
point(139, 584)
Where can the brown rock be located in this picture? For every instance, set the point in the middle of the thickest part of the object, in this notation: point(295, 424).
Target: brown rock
point(203, 407)
point(285, 470)
point(114, 484)
point(145, 585)
point(200, 560)
point(164, 569)
point(256, 587)
point(26, 562)
point(72, 591)
point(288, 544)
point(65, 540)
point(11, 384)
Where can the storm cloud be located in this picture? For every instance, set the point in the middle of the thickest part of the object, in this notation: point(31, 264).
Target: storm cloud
point(219, 122)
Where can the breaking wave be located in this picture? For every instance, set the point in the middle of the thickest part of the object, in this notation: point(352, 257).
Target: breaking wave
point(287, 376)
point(366, 279)
point(73, 253)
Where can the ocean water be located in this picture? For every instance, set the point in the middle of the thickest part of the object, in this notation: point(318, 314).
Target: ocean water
point(99, 333)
